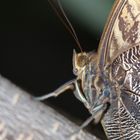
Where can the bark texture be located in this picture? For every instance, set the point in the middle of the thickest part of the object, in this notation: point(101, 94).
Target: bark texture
point(22, 118)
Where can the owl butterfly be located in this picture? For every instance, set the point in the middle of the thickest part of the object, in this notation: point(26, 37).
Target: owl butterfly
point(108, 83)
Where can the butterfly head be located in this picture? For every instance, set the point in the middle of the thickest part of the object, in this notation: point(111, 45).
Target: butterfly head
point(80, 60)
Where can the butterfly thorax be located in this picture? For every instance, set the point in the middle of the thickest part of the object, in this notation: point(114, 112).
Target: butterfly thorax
point(93, 84)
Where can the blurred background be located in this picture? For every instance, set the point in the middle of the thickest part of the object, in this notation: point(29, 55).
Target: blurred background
point(36, 49)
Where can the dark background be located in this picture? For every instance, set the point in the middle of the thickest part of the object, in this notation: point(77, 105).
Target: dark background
point(36, 53)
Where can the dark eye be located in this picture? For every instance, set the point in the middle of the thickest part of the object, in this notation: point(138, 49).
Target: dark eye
point(82, 60)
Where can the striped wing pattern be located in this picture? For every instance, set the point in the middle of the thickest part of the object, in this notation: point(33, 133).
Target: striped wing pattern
point(120, 48)
point(122, 121)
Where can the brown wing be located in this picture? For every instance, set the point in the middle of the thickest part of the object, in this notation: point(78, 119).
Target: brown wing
point(122, 30)
point(122, 121)
point(120, 47)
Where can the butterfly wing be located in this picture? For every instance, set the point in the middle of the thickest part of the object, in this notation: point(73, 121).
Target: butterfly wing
point(122, 121)
point(120, 48)
point(121, 31)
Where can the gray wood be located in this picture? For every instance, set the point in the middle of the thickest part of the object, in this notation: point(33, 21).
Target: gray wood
point(22, 118)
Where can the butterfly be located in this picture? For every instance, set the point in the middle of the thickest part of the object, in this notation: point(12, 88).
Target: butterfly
point(108, 82)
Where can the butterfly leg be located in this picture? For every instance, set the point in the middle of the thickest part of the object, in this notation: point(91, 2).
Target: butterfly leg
point(97, 112)
point(88, 121)
point(57, 92)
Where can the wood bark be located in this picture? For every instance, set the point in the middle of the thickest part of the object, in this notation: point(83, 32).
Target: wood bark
point(23, 118)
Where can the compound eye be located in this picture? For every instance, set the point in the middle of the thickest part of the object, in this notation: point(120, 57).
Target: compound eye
point(82, 60)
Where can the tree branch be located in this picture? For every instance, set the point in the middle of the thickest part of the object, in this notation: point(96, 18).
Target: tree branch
point(22, 118)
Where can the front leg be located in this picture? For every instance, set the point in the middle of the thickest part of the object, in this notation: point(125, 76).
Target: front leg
point(69, 85)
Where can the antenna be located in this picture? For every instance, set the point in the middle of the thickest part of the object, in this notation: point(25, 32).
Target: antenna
point(62, 16)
